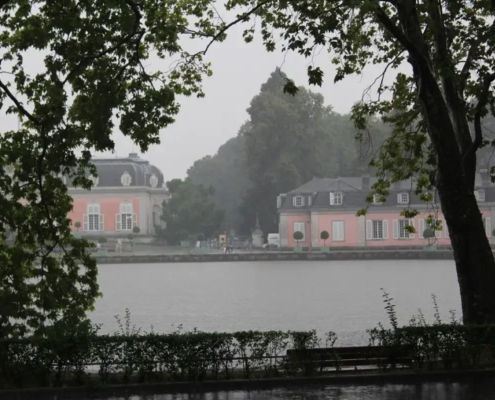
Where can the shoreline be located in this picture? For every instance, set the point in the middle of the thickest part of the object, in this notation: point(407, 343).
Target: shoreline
point(280, 256)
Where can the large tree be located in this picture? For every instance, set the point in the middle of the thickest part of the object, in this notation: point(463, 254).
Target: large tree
point(190, 211)
point(226, 171)
point(449, 46)
point(289, 141)
point(73, 71)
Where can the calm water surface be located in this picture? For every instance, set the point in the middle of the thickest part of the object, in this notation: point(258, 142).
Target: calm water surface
point(483, 390)
point(342, 296)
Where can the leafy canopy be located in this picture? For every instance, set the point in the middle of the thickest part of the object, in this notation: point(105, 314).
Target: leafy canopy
point(92, 78)
point(190, 211)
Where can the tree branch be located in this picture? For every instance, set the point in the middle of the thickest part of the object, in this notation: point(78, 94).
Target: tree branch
point(242, 18)
point(466, 68)
point(19, 106)
point(135, 9)
point(385, 20)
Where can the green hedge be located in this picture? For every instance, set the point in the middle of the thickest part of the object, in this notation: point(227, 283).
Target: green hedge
point(439, 346)
point(190, 356)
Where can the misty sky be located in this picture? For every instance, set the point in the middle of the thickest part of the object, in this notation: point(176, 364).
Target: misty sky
point(239, 70)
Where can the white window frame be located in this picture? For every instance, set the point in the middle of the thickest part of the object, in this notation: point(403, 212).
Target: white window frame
point(153, 181)
point(126, 179)
point(376, 199)
point(403, 233)
point(336, 198)
point(480, 195)
point(126, 220)
point(310, 201)
point(378, 230)
point(93, 220)
point(403, 198)
point(370, 231)
point(298, 201)
point(338, 231)
point(300, 227)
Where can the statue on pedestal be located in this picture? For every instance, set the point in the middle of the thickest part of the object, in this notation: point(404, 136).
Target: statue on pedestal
point(257, 234)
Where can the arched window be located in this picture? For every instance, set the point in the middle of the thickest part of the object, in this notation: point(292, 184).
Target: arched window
point(127, 219)
point(93, 219)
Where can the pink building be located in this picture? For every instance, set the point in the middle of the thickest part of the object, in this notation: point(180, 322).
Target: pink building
point(331, 205)
point(127, 192)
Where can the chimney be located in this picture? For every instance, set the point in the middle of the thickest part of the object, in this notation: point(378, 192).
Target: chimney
point(366, 182)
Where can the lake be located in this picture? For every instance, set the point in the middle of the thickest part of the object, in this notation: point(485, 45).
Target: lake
point(339, 296)
point(474, 390)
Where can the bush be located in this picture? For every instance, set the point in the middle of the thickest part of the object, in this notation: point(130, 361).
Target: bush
point(298, 236)
point(136, 230)
point(324, 235)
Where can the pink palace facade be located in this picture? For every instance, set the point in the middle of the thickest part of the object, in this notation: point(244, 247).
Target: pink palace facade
point(331, 205)
point(127, 192)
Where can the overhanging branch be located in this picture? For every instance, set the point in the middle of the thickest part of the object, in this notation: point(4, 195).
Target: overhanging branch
point(19, 106)
point(135, 9)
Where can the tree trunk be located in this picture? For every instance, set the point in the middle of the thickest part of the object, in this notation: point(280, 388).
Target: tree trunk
point(473, 256)
point(455, 179)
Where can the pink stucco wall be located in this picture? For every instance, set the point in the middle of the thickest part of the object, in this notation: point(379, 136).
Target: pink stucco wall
point(109, 207)
point(351, 229)
point(290, 230)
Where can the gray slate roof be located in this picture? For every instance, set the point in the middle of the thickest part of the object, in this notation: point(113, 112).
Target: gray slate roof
point(110, 171)
point(355, 191)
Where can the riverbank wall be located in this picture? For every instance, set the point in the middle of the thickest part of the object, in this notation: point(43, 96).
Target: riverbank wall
point(390, 254)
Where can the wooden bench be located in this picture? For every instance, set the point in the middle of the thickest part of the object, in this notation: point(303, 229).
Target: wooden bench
point(359, 358)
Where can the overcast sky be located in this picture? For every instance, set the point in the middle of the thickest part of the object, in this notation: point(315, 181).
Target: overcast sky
point(239, 69)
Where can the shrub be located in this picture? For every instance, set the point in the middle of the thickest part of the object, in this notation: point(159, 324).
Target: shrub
point(324, 235)
point(136, 230)
point(298, 236)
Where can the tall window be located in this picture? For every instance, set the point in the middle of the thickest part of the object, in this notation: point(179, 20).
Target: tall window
point(403, 232)
point(300, 227)
point(126, 212)
point(378, 230)
point(338, 231)
point(336, 198)
point(93, 220)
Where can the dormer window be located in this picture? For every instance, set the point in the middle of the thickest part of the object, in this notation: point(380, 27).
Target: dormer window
point(298, 201)
point(94, 179)
point(480, 195)
point(153, 181)
point(336, 198)
point(126, 179)
point(403, 198)
point(377, 199)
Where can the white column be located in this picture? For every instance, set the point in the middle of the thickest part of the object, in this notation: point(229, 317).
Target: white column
point(283, 231)
point(315, 236)
point(361, 231)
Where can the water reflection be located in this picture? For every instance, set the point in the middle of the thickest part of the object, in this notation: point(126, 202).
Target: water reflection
point(474, 390)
